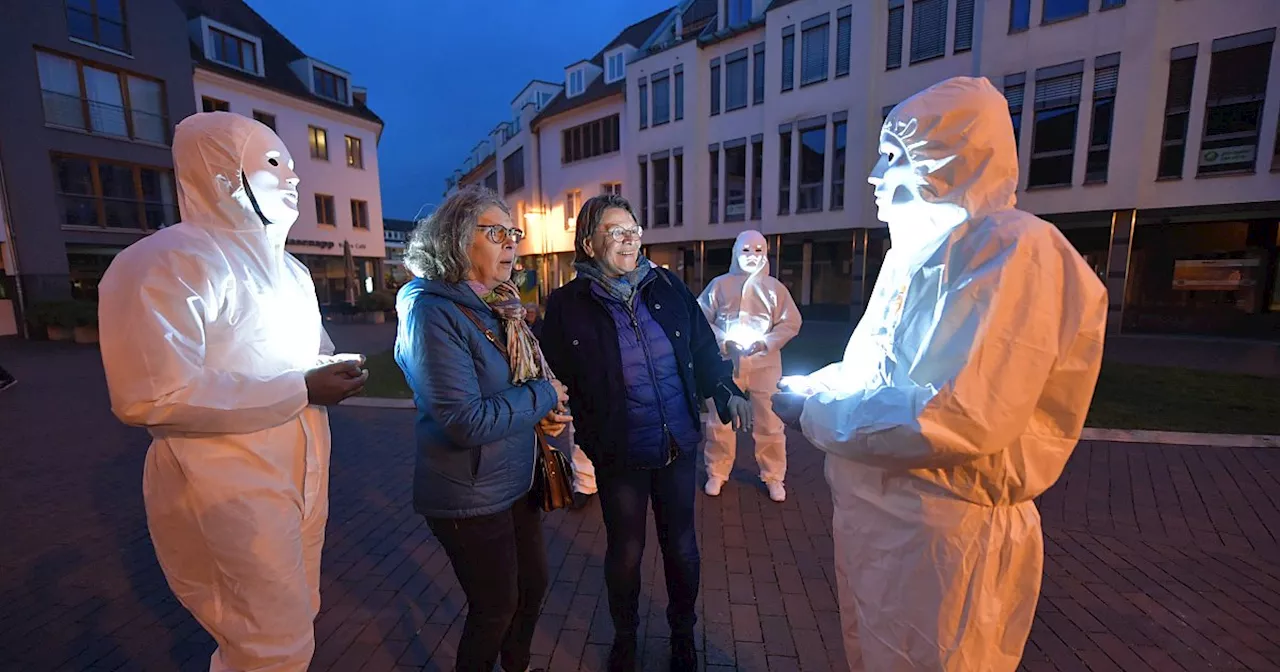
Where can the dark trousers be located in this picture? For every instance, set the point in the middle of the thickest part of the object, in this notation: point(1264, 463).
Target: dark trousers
point(624, 500)
point(501, 562)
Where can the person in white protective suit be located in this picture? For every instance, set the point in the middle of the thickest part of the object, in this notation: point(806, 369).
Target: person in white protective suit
point(962, 393)
point(753, 316)
point(211, 339)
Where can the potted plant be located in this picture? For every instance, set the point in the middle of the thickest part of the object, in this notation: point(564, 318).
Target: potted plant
point(56, 318)
point(374, 306)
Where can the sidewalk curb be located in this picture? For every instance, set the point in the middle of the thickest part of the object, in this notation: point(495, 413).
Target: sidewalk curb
point(1181, 438)
point(1113, 435)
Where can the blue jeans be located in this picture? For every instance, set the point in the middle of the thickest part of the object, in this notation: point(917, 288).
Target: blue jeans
point(624, 501)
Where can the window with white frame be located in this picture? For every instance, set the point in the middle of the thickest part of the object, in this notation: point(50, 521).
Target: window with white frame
point(616, 67)
point(329, 84)
point(234, 50)
point(614, 188)
point(576, 84)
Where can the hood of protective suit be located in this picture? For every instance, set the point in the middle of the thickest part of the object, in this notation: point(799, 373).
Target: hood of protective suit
point(959, 138)
point(209, 162)
point(752, 238)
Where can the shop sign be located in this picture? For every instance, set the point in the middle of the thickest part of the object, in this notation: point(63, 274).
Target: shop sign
point(1214, 275)
point(1227, 155)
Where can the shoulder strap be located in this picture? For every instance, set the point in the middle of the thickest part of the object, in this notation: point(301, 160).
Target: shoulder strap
point(488, 333)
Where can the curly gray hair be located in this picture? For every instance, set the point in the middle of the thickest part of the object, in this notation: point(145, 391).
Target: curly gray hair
point(439, 245)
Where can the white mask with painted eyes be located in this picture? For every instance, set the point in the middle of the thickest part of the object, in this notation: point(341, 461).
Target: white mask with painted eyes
point(268, 170)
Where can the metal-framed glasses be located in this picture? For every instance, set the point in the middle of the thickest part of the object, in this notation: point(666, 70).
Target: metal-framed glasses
point(499, 234)
point(619, 234)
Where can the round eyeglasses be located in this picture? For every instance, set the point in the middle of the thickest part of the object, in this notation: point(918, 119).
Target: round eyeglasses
point(499, 234)
point(619, 234)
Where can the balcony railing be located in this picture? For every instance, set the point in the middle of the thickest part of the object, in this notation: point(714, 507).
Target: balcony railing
point(85, 114)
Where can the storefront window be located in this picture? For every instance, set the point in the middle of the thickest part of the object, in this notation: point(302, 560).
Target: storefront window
point(1203, 278)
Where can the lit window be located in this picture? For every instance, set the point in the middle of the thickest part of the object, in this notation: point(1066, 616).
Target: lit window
point(355, 152)
point(319, 143)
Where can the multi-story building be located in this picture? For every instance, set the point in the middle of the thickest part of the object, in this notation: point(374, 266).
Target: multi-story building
point(244, 65)
point(1147, 132)
point(92, 93)
point(578, 141)
point(395, 233)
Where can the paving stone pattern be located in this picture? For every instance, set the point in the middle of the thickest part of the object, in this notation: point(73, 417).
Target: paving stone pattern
point(1158, 558)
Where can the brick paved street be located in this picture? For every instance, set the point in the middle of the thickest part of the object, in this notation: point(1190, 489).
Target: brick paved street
point(1158, 558)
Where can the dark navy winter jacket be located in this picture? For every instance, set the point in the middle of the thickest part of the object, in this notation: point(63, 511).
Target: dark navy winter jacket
point(475, 430)
point(580, 338)
point(657, 415)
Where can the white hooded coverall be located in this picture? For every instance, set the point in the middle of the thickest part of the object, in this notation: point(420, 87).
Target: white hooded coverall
point(207, 331)
point(961, 395)
point(762, 303)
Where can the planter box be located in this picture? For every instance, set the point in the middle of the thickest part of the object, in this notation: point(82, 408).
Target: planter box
point(86, 334)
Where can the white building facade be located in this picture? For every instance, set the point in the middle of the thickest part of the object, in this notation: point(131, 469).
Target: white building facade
point(1147, 132)
point(249, 69)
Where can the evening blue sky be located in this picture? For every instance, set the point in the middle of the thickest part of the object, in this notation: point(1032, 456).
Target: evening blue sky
point(442, 73)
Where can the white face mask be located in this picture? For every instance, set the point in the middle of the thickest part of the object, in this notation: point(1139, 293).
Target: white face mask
point(897, 183)
point(268, 169)
point(751, 260)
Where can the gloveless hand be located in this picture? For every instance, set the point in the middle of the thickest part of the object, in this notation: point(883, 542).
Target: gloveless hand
point(330, 384)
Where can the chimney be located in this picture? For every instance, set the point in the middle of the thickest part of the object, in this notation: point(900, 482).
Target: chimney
point(359, 95)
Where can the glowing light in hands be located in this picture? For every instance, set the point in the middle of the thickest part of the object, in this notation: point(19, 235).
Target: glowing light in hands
point(743, 335)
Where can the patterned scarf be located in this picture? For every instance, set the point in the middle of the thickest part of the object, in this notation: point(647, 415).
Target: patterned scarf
point(527, 362)
point(621, 288)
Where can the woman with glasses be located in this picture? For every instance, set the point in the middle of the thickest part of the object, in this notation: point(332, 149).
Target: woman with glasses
point(481, 387)
point(639, 359)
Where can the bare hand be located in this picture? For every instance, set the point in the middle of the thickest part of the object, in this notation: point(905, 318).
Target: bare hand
point(555, 423)
point(740, 414)
point(788, 406)
point(562, 393)
point(329, 384)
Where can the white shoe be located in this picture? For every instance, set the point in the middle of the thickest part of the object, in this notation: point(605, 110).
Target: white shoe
point(713, 486)
point(777, 492)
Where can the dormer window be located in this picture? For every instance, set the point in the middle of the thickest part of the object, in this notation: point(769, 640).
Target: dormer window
point(234, 51)
point(330, 85)
point(577, 82)
point(232, 48)
point(544, 98)
point(616, 67)
point(739, 12)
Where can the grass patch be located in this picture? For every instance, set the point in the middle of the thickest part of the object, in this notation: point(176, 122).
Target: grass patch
point(1128, 396)
point(385, 378)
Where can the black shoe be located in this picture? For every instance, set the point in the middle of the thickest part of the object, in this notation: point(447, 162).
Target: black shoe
point(580, 500)
point(622, 656)
point(7, 383)
point(684, 655)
